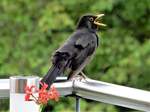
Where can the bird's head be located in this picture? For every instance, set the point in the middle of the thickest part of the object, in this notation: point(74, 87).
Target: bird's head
point(91, 22)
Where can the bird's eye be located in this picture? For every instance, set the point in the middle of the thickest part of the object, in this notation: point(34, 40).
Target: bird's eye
point(91, 19)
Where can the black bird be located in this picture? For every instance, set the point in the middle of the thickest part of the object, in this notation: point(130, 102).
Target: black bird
point(77, 51)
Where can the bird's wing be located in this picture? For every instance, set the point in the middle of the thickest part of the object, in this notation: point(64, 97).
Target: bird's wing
point(86, 46)
point(86, 42)
point(82, 42)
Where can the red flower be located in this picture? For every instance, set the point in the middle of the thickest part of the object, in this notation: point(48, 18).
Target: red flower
point(44, 95)
point(27, 97)
point(53, 94)
point(28, 92)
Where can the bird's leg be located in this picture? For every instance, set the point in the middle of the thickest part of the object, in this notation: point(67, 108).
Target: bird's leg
point(82, 75)
point(79, 77)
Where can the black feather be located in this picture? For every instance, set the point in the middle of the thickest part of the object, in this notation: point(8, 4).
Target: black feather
point(51, 75)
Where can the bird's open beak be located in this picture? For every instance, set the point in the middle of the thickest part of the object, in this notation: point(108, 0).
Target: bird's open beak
point(97, 20)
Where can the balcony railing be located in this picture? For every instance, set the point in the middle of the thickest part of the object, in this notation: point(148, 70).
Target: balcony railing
point(97, 91)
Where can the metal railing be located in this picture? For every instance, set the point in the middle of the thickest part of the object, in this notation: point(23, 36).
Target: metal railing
point(97, 91)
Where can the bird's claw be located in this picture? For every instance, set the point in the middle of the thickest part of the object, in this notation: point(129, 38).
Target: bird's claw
point(80, 77)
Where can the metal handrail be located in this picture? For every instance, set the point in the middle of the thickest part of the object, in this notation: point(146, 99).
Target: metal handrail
point(97, 91)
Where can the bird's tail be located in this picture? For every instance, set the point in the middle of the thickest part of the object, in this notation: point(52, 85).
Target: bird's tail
point(51, 75)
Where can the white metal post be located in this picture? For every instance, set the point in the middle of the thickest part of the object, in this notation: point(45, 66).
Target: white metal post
point(17, 94)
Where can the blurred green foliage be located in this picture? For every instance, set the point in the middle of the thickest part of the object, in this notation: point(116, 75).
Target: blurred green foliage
point(30, 30)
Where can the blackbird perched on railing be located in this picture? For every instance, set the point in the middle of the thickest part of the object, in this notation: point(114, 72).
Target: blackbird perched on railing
point(77, 51)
